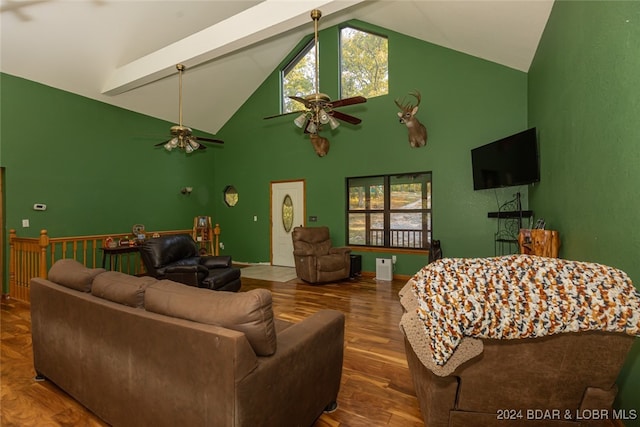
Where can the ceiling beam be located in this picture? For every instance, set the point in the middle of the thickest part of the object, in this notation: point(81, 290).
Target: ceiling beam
point(258, 23)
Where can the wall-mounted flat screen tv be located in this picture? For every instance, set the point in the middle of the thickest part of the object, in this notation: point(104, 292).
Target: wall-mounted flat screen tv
point(506, 162)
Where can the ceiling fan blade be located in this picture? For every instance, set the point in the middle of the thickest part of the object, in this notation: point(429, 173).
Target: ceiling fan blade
point(201, 138)
point(345, 117)
point(162, 143)
point(301, 100)
point(286, 114)
point(348, 101)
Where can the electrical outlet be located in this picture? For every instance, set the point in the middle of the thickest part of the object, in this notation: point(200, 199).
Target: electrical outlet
point(393, 259)
point(25, 223)
point(255, 218)
point(221, 245)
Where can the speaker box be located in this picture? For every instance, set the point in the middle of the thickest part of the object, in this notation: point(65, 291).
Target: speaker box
point(356, 266)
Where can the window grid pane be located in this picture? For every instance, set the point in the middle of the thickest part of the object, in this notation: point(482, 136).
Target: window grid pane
point(402, 220)
point(364, 64)
point(298, 78)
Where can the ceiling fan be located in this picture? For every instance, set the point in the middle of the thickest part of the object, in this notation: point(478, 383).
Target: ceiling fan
point(319, 109)
point(181, 136)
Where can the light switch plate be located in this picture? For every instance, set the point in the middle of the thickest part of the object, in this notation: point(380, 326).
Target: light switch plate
point(25, 223)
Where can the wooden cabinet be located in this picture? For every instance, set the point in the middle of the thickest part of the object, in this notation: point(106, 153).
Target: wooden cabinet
point(539, 242)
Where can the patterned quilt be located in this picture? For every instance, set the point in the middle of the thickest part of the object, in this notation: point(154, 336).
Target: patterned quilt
point(520, 296)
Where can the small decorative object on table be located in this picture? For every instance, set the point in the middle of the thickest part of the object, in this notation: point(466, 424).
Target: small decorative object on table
point(109, 243)
point(138, 234)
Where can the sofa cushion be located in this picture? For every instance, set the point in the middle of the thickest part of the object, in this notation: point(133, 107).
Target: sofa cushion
point(72, 274)
point(121, 288)
point(248, 312)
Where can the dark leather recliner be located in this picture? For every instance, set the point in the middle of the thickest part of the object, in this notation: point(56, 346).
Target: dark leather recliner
point(175, 257)
point(315, 259)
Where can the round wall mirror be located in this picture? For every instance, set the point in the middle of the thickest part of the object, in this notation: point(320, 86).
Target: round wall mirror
point(230, 195)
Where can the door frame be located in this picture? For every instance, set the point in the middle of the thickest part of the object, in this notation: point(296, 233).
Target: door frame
point(304, 209)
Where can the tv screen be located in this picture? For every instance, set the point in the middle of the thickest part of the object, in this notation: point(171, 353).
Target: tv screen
point(506, 162)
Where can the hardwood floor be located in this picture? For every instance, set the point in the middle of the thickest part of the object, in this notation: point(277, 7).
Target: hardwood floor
point(376, 386)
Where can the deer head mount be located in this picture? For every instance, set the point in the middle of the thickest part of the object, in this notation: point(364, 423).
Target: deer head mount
point(407, 115)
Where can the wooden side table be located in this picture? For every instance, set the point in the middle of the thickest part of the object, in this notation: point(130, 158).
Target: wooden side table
point(114, 254)
point(539, 242)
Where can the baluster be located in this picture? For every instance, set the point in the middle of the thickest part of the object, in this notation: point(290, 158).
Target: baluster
point(12, 262)
point(43, 242)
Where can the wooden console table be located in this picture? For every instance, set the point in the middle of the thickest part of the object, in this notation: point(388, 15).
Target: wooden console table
point(114, 254)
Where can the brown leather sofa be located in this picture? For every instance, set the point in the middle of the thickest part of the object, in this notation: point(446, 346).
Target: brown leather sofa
point(559, 380)
point(315, 259)
point(137, 351)
point(175, 257)
point(566, 379)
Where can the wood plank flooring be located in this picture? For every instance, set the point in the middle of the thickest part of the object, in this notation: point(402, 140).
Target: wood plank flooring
point(376, 386)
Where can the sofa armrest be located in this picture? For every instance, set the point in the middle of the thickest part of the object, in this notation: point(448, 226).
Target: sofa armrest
point(188, 274)
point(308, 366)
point(215, 261)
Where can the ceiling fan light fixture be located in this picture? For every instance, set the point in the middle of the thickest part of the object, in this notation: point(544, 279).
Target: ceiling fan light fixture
point(173, 143)
point(333, 123)
point(323, 117)
point(312, 127)
point(194, 144)
point(300, 120)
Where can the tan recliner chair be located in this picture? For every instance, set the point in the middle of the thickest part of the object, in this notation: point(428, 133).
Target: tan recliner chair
point(316, 260)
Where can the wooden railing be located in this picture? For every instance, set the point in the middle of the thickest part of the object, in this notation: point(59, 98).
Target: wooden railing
point(400, 238)
point(32, 257)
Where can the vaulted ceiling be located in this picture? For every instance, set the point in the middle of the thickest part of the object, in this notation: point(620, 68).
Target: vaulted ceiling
point(124, 52)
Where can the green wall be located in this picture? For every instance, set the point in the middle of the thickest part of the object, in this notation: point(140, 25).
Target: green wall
point(93, 165)
point(584, 88)
point(466, 102)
